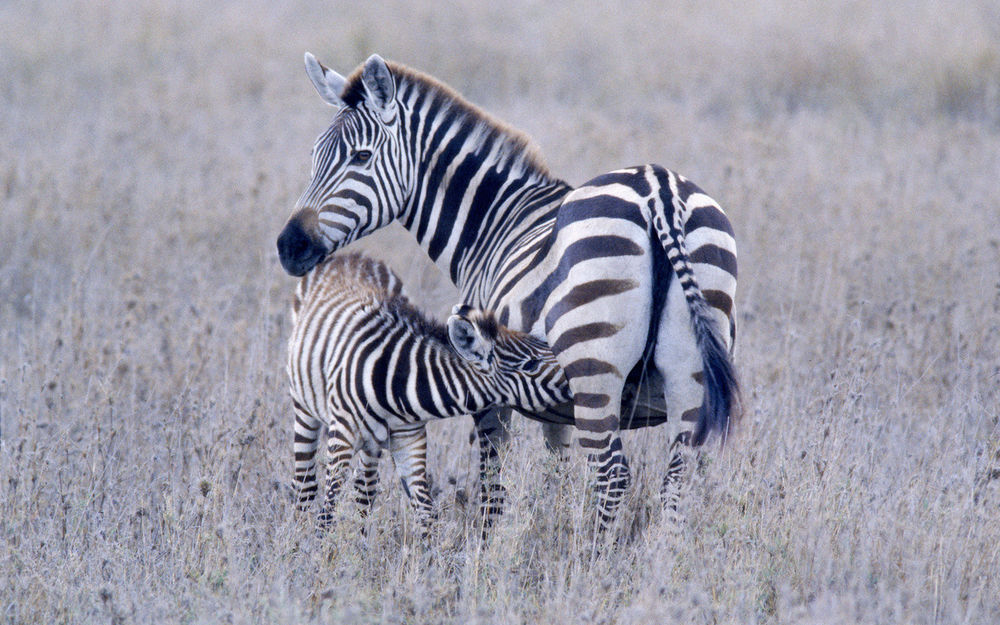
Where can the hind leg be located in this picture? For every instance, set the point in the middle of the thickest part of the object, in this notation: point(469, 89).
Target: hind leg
point(409, 454)
point(682, 457)
point(340, 451)
point(597, 345)
point(677, 358)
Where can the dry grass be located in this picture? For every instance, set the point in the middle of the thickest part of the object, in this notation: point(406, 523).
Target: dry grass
point(149, 156)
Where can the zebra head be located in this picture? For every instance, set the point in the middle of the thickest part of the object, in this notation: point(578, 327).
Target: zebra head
point(358, 178)
point(520, 367)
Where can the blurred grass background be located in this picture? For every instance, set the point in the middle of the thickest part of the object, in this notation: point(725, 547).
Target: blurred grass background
point(150, 153)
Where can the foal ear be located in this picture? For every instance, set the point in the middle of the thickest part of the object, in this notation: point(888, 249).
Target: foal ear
point(379, 83)
point(328, 83)
point(468, 342)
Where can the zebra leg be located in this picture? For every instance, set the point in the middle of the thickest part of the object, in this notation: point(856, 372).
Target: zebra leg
point(681, 455)
point(409, 453)
point(492, 427)
point(677, 358)
point(598, 421)
point(304, 483)
point(340, 452)
point(597, 323)
point(366, 476)
point(594, 355)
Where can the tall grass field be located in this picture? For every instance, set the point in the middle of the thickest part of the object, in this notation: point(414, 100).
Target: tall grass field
point(150, 153)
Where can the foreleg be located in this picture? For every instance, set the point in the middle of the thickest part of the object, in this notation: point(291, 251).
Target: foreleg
point(558, 439)
point(409, 453)
point(493, 430)
point(306, 441)
point(366, 476)
point(340, 448)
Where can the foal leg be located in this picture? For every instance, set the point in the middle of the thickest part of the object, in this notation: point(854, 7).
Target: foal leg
point(304, 483)
point(409, 454)
point(340, 451)
point(366, 476)
point(492, 427)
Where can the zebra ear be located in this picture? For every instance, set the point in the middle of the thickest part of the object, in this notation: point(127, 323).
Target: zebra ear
point(379, 83)
point(328, 83)
point(467, 341)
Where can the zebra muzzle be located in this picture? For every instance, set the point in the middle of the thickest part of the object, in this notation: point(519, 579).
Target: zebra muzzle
point(297, 250)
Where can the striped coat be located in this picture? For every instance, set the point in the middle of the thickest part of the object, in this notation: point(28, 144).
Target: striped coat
point(630, 277)
point(369, 367)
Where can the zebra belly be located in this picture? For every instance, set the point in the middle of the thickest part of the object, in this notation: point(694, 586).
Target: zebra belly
point(642, 406)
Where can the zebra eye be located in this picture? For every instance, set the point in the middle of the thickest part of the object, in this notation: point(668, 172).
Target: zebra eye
point(532, 365)
point(361, 157)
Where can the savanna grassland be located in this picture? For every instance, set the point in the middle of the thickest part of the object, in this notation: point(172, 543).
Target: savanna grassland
point(151, 152)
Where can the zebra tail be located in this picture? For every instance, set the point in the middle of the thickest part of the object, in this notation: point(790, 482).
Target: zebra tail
point(721, 399)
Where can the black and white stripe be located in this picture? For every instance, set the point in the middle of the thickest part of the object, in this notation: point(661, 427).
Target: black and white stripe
point(630, 277)
point(373, 370)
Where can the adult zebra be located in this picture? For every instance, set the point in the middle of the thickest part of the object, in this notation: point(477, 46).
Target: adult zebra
point(630, 277)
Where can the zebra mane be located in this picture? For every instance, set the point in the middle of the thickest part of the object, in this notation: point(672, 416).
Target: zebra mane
point(400, 308)
point(487, 324)
point(519, 144)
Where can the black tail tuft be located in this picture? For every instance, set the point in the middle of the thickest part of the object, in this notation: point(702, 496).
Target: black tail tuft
point(722, 389)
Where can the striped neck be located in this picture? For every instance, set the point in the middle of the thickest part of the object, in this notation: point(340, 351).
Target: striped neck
point(461, 388)
point(477, 398)
point(478, 186)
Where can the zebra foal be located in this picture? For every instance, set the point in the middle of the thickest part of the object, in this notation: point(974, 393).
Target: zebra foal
point(367, 365)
